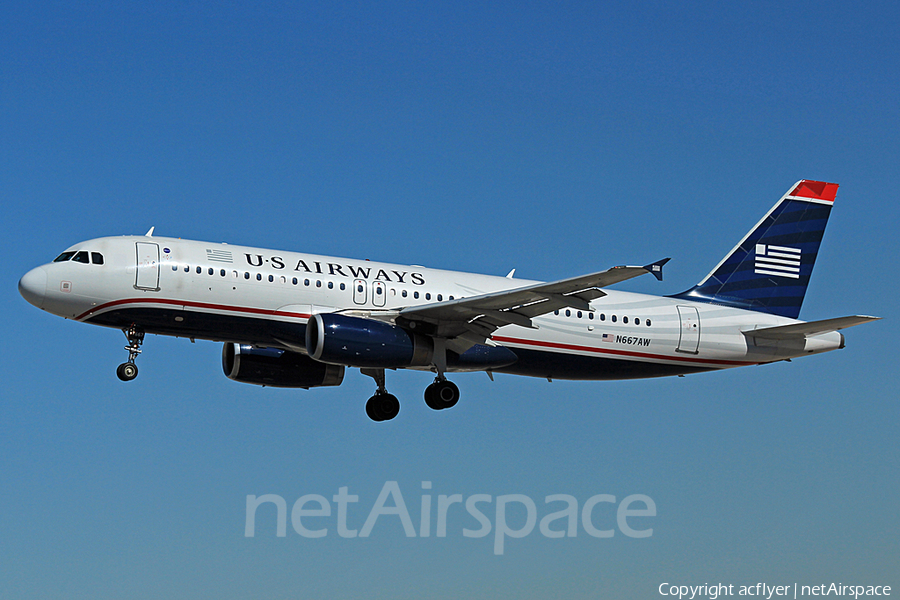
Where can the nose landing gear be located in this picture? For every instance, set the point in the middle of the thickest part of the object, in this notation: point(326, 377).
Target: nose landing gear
point(128, 370)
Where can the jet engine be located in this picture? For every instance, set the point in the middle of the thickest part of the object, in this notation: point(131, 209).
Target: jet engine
point(358, 342)
point(277, 368)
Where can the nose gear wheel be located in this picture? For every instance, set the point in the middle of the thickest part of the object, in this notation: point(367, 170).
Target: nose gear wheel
point(128, 370)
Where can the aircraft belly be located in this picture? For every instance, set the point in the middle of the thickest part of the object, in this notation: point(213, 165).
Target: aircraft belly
point(555, 365)
point(176, 322)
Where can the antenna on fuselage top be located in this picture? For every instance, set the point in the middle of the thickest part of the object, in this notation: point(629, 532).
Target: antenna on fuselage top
point(150, 233)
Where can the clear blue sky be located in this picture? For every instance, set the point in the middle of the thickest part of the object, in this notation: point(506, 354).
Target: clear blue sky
point(558, 139)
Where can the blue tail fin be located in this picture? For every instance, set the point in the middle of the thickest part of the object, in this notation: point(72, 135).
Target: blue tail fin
point(769, 269)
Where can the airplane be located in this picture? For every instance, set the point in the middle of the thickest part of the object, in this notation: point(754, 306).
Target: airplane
point(298, 320)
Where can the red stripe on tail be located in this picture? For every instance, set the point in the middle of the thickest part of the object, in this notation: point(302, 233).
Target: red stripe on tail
point(817, 190)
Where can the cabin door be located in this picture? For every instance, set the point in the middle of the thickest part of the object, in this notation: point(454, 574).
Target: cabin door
point(147, 277)
point(689, 339)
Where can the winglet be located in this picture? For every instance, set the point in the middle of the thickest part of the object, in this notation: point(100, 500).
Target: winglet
point(656, 268)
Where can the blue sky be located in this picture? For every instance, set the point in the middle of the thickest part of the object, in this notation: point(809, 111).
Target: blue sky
point(556, 139)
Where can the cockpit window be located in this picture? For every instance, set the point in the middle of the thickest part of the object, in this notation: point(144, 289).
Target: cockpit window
point(82, 257)
point(96, 258)
point(64, 257)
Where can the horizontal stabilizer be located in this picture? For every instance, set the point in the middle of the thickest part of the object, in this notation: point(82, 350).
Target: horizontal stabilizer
point(805, 330)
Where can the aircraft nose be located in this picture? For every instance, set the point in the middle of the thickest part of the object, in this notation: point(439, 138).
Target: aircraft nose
point(33, 286)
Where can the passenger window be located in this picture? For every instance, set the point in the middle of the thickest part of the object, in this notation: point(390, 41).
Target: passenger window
point(440, 298)
point(211, 270)
point(579, 314)
point(648, 322)
point(318, 283)
point(294, 281)
point(331, 285)
point(199, 270)
point(246, 274)
point(378, 291)
point(614, 318)
point(343, 287)
point(568, 313)
point(306, 282)
point(97, 259)
point(403, 293)
point(591, 316)
point(222, 273)
point(64, 257)
point(416, 295)
point(174, 267)
point(271, 278)
point(82, 257)
point(637, 321)
point(359, 288)
point(187, 268)
point(428, 295)
point(259, 276)
point(625, 320)
point(602, 317)
point(450, 298)
point(556, 312)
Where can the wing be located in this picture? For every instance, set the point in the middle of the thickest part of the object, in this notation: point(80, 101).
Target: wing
point(475, 318)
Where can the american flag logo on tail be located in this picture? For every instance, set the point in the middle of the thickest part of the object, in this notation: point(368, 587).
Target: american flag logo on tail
point(777, 260)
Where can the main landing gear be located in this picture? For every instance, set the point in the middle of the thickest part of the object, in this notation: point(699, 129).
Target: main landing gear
point(384, 406)
point(128, 370)
point(441, 394)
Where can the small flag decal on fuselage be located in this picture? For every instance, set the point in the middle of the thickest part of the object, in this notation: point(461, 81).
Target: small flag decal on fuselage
point(777, 260)
point(219, 256)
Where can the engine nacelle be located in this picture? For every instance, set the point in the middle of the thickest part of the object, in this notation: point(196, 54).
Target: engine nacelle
point(358, 342)
point(277, 368)
point(481, 358)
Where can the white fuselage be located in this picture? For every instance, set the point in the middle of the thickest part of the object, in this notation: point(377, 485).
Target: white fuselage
point(265, 297)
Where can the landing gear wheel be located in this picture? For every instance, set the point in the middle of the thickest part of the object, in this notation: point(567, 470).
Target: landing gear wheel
point(382, 407)
point(441, 394)
point(127, 371)
point(372, 409)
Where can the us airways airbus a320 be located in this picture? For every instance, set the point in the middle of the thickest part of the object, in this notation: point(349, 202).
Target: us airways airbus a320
point(299, 320)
